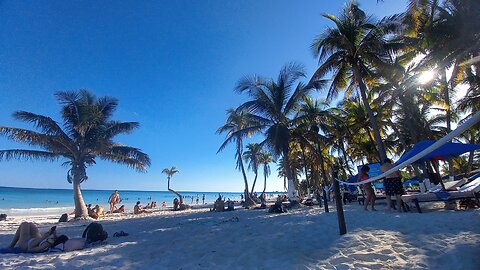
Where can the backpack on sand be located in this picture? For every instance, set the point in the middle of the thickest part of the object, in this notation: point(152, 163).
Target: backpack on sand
point(94, 232)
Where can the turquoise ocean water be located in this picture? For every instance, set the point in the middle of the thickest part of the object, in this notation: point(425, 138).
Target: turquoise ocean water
point(33, 201)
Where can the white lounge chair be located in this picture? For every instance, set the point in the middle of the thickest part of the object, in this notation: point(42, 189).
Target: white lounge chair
point(468, 191)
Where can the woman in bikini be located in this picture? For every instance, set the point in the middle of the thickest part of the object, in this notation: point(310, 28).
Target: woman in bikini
point(367, 187)
point(28, 238)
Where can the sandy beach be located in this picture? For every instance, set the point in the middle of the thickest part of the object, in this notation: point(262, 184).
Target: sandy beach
point(305, 238)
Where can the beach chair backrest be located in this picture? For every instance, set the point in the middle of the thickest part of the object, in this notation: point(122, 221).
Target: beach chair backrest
point(472, 186)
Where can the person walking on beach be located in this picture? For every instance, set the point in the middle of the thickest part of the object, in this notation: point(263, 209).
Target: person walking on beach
point(393, 185)
point(198, 198)
point(113, 200)
point(367, 187)
point(203, 199)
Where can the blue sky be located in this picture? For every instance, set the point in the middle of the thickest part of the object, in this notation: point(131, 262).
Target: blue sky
point(171, 64)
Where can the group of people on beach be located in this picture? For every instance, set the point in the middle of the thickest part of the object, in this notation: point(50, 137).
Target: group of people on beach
point(392, 184)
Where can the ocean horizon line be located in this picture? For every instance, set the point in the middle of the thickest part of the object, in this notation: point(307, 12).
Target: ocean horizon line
point(132, 190)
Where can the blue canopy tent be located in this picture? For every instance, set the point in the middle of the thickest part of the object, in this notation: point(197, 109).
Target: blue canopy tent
point(445, 151)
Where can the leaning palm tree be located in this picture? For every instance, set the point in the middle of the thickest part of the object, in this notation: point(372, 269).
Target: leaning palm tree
point(87, 134)
point(351, 51)
point(170, 172)
point(274, 103)
point(265, 159)
point(252, 156)
point(239, 124)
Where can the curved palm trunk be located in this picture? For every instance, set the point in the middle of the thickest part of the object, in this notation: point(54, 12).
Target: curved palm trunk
point(248, 199)
point(373, 121)
point(80, 207)
point(264, 182)
point(254, 182)
point(174, 192)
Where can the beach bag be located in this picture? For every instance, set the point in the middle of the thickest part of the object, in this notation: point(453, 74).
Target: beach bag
point(94, 232)
point(63, 218)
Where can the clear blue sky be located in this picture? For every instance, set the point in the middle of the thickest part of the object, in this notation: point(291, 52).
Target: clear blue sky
point(171, 64)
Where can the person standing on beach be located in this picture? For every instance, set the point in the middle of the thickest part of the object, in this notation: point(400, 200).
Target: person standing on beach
point(113, 200)
point(198, 198)
point(393, 185)
point(203, 199)
point(367, 187)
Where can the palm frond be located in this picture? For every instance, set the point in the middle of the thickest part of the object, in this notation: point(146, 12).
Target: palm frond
point(28, 155)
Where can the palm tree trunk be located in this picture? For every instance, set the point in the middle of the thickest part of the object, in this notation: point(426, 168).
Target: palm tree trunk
point(254, 182)
point(344, 154)
point(80, 207)
point(264, 182)
point(174, 192)
point(324, 176)
point(305, 166)
point(448, 114)
point(248, 199)
point(371, 116)
point(292, 196)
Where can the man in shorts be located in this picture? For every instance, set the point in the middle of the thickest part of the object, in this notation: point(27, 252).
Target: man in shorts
point(393, 185)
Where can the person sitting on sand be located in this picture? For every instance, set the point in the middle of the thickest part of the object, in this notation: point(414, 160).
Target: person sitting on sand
point(147, 206)
point(367, 187)
point(28, 239)
point(164, 204)
point(230, 205)
point(121, 209)
point(137, 209)
point(175, 204)
point(99, 210)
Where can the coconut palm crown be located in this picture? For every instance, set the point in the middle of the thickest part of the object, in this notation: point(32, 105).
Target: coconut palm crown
point(87, 134)
point(352, 51)
point(274, 102)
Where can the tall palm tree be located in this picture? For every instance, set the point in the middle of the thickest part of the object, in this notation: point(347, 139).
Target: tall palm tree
point(264, 160)
point(274, 102)
point(170, 172)
point(252, 156)
point(240, 124)
point(351, 51)
point(87, 134)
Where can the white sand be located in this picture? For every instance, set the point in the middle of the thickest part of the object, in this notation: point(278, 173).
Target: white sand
point(302, 239)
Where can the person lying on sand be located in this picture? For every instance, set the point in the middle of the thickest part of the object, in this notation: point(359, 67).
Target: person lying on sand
point(137, 209)
point(120, 210)
point(28, 238)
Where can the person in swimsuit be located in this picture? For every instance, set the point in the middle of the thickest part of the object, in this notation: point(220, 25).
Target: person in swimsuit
point(28, 238)
point(137, 209)
point(367, 187)
point(113, 200)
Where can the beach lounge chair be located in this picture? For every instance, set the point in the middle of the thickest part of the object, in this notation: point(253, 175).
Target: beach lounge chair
point(468, 191)
point(449, 186)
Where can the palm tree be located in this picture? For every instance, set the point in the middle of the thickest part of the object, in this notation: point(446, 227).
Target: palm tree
point(240, 124)
point(87, 134)
point(351, 51)
point(274, 103)
point(170, 172)
point(252, 156)
point(265, 159)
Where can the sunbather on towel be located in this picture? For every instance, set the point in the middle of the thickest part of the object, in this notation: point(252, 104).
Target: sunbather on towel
point(28, 238)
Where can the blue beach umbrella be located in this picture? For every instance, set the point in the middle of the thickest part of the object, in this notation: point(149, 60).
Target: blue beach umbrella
point(446, 151)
